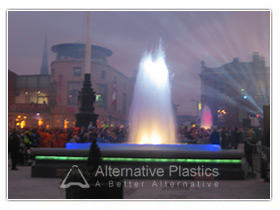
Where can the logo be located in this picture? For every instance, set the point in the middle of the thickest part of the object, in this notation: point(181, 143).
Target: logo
point(85, 185)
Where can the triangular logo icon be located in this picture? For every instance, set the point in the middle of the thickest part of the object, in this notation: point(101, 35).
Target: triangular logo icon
point(85, 185)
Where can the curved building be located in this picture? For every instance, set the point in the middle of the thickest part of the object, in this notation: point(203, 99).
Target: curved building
point(113, 89)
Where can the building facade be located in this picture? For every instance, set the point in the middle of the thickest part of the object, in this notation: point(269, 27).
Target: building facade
point(28, 100)
point(236, 92)
point(54, 98)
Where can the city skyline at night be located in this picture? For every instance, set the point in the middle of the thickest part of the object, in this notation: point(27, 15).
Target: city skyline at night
point(188, 37)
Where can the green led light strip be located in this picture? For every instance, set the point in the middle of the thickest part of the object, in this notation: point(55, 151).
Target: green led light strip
point(121, 159)
point(59, 158)
point(171, 160)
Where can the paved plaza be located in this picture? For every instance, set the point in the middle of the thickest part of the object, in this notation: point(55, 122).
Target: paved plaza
point(22, 186)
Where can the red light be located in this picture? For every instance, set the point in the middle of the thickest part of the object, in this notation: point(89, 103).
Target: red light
point(257, 115)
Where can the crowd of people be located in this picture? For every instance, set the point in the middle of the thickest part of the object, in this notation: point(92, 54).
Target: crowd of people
point(228, 138)
point(21, 140)
point(57, 137)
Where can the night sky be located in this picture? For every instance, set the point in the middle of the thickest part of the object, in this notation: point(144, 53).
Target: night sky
point(187, 37)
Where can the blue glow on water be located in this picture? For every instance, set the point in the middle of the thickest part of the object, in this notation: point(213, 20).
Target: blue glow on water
point(116, 146)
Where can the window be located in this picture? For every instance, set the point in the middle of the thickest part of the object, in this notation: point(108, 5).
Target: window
point(114, 95)
point(52, 73)
point(221, 88)
point(32, 81)
point(124, 103)
point(44, 82)
point(103, 74)
point(43, 100)
point(73, 93)
point(31, 97)
point(21, 97)
point(101, 96)
point(77, 71)
point(21, 82)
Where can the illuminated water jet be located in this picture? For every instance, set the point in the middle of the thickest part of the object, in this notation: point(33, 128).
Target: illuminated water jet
point(151, 119)
point(206, 118)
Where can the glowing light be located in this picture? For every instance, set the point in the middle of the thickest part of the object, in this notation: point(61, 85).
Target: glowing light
point(180, 160)
point(122, 159)
point(120, 146)
point(206, 118)
point(22, 124)
point(199, 106)
point(98, 97)
point(59, 158)
point(154, 138)
point(245, 97)
point(40, 122)
point(257, 115)
point(20, 121)
point(151, 114)
point(221, 111)
point(66, 123)
point(242, 90)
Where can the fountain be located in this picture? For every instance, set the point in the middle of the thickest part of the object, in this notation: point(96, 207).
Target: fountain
point(151, 119)
point(152, 138)
point(206, 118)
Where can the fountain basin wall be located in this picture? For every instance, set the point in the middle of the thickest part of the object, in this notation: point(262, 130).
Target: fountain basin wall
point(52, 162)
point(148, 147)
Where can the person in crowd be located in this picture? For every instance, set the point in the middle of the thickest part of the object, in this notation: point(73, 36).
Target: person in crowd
point(45, 138)
point(236, 138)
point(251, 136)
point(62, 138)
point(14, 147)
point(36, 138)
point(82, 134)
point(215, 137)
point(74, 139)
point(224, 138)
point(28, 140)
point(250, 140)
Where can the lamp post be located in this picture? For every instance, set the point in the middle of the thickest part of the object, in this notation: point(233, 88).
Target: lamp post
point(86, 98)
